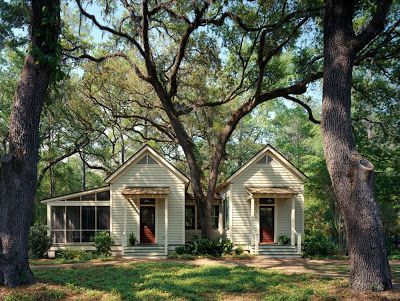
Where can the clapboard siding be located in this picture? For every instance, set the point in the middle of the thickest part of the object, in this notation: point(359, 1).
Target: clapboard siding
point(273, 174)
point(149, 175)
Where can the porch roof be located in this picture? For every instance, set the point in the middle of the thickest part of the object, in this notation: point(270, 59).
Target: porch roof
point(271, 192)
point(154, 191)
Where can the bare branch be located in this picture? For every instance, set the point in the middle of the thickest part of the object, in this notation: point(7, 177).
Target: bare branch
point(305, 106)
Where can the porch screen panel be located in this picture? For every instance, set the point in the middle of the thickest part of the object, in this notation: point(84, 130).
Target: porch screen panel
point(58, 224)
point(73, 224)
point(103, 218)
point(88, 223)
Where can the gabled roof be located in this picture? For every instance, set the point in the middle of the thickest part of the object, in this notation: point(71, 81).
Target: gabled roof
point(269, 148)
point(159, 158)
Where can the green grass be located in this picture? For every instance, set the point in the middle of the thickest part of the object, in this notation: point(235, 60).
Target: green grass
point(178, 281)
point(56, 261)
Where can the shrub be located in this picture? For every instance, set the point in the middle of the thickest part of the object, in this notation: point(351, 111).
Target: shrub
point(132, 239)
point(284, 240)
point(75, 254)
point(206, 246)
point(103, 242)
point(317, 243)
point(239, 250)
point(39, 241)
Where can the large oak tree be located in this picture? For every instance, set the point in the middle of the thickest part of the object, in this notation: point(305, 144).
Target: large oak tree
point(351, 174)
point(19, 165)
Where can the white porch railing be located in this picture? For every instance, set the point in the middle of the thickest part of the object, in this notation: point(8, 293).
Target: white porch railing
point(298, 241)
point(255, 243)
point(123, 243)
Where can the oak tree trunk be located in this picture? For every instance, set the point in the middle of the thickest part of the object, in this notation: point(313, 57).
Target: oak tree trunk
point(351, 175)
point(19, 166)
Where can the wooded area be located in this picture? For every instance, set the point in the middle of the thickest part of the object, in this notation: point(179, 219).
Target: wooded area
point(207, 84)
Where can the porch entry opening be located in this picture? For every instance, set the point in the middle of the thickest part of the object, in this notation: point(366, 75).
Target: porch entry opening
point(266, 221)
point(147, 221)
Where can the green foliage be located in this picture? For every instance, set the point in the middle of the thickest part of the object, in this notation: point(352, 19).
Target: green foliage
point(284, 240)
point(132, 239)
point(70, 254)
point(317, 244)
point(180, 281)
point(239, 250)
point(103, 242)
point(43, 294)
point(206, 246)
point(39, 241)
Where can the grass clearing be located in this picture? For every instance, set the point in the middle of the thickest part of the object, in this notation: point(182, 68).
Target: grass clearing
point(172, 280)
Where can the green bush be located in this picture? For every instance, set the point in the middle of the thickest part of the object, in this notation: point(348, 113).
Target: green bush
point(75, 254)
point(39, 241)
point(284, 240)
point(206, 246)
point(317, 243)
point(239, 250)
point(132, 239)
point(103, 242)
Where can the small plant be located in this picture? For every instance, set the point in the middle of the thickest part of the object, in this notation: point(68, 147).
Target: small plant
point(284, 240)
point(103, 242)
point(239, 250)
point(39, 241)
point(132, 239)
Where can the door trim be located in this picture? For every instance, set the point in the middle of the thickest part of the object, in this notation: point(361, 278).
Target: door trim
point(155, 223)
point(259, 223)
point(275, 218)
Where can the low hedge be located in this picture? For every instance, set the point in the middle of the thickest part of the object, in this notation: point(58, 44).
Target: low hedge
point(206, 246)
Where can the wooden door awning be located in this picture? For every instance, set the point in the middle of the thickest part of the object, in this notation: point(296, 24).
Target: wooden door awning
point(271, 192)
point(146, 191)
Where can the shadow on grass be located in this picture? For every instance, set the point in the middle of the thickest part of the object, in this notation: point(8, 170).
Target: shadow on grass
point(176, 281)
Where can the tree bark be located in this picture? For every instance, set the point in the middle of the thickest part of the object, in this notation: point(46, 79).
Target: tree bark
point(19, 166)
point(351, 175)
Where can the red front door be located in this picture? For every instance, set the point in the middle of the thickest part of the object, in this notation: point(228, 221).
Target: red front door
point(147, 225)
point(266, 224)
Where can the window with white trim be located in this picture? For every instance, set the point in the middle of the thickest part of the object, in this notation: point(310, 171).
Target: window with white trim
point(215, 216)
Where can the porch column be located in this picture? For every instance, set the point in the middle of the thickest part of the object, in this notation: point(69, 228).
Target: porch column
point(125, 221)
point(252, 221)
point(292, 222)
point(166, 226)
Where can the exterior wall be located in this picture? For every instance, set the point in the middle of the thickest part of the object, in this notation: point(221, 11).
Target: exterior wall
point(149, 175)
point(215, 233)
point(273, 174)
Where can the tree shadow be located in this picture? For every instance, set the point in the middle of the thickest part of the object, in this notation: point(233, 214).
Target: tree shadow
point(168, 280)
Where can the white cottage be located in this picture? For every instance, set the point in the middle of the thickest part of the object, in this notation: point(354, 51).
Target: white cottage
point(148, 198)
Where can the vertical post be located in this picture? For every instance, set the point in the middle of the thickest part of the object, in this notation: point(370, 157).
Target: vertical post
point(48, 219)
point(298, 243)
point(252, 221)
point(125, 220)
point(292, 222)
point(166, 226)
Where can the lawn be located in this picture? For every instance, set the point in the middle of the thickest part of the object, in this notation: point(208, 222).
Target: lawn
point(171, 280)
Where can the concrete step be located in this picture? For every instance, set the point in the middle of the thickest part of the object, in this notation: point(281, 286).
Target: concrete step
point(280, 255)
point(278, 251)
point(276, 247)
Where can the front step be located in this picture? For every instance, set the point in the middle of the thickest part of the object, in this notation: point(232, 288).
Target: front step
point(278, 251)
point(145, 251)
